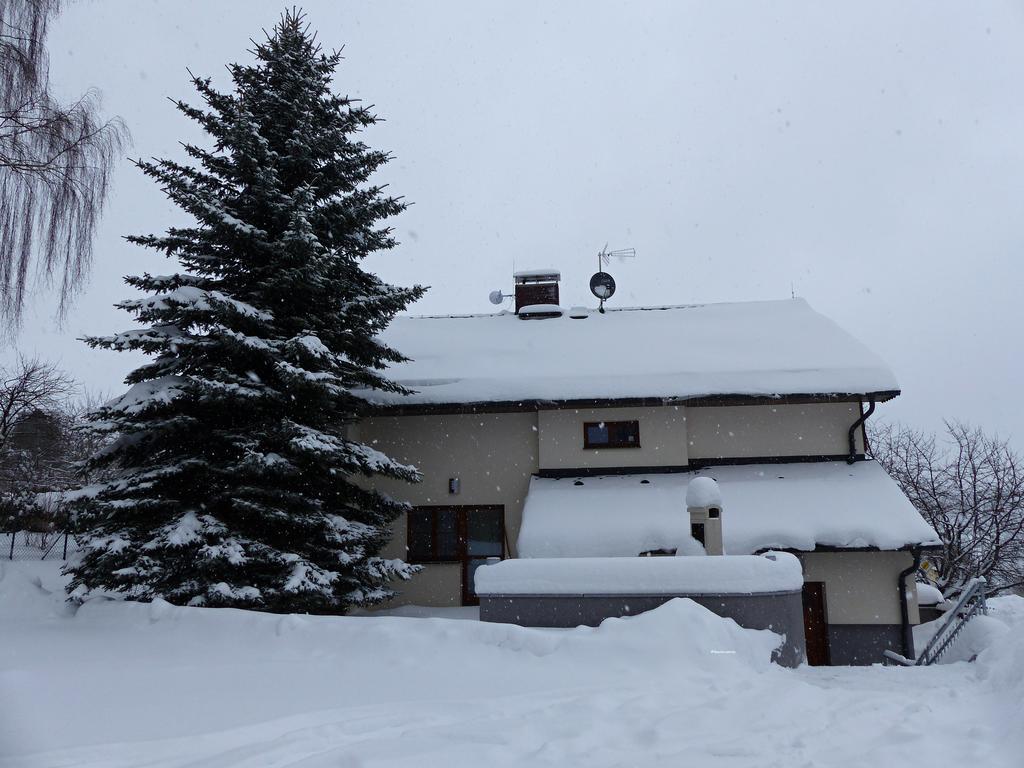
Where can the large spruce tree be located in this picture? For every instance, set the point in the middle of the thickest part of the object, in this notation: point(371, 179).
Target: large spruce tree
point(233, 475)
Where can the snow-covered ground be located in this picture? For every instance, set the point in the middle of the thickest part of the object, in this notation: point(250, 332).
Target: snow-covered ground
point(128, 685)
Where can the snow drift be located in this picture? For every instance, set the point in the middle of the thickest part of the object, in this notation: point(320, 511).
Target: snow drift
point(119, 685)
point(172, 672)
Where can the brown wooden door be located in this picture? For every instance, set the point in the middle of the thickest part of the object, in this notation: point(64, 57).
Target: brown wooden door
point(815, 623)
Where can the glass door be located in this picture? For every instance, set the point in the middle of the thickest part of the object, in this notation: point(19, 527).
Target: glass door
point(484, 543)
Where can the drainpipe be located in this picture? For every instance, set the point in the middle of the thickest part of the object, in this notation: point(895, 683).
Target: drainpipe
point(853, 431)
point(908, 631)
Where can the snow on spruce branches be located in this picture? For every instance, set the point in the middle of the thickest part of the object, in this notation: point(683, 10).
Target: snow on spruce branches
point(234, 479)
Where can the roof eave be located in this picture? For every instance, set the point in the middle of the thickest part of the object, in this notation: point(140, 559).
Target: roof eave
point(831, 548)
point(533, 404)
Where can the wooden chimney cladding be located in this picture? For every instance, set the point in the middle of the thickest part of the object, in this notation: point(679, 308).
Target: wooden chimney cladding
point(539, 287)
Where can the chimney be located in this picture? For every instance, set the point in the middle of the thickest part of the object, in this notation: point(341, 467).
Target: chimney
point(536, 286)
point(704, 503)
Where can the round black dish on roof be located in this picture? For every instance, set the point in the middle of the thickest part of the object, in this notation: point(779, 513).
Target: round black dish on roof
point(602, 285)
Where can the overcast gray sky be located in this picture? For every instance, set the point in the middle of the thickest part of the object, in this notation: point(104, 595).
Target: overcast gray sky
point(868, 155)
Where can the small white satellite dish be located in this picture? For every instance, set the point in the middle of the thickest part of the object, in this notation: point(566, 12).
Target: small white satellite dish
point(496, 297)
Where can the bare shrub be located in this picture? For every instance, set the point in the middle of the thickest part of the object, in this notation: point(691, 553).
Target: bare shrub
point(36, 443)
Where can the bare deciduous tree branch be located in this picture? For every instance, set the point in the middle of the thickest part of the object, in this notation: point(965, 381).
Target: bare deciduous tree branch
point(55, 166)
point(45, 445)
point(971, 489)
point(29, 386)
point(36, 441)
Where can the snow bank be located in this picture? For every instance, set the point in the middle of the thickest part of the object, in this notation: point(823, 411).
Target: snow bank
point(120, 681)
point(1001, 665)
point(126, 684)
point(742, 574)
point(978, 635)
point(996, 640)
point(31, 590)
point(680, 632)
point(767, 506)
point(752, 348)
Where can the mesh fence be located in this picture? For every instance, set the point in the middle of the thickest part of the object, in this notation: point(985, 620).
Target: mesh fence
point(36, 545)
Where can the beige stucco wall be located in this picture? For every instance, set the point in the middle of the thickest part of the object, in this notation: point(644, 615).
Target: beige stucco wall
point(743, 431)
point(493, 455)
point(860, 587)
point(437, 584)
point(662, 438)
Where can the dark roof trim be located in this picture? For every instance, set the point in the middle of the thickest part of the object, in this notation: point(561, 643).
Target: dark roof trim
point(827, 548)
point(693, 466)
point(518, 406)
point(609, 471)
point(730, 461)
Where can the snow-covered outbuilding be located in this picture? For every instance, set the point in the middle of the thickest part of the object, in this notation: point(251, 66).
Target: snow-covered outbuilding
point(575, 434)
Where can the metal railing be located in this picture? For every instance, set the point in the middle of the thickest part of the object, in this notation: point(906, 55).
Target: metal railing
point(970, 604)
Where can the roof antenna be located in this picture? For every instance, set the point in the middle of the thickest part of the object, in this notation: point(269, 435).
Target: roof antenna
point(497, 296)
point(602, 285)
point(604, 256)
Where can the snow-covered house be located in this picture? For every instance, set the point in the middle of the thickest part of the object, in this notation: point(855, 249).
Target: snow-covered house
point(573, 433)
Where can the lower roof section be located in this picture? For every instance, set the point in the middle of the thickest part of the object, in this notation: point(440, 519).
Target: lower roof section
point(743, 575)
point(764, 506)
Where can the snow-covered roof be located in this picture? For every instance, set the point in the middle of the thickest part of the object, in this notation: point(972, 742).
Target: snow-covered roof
point(764, 506)
point(776, 572)
point(762, 348)
point(542, 309)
